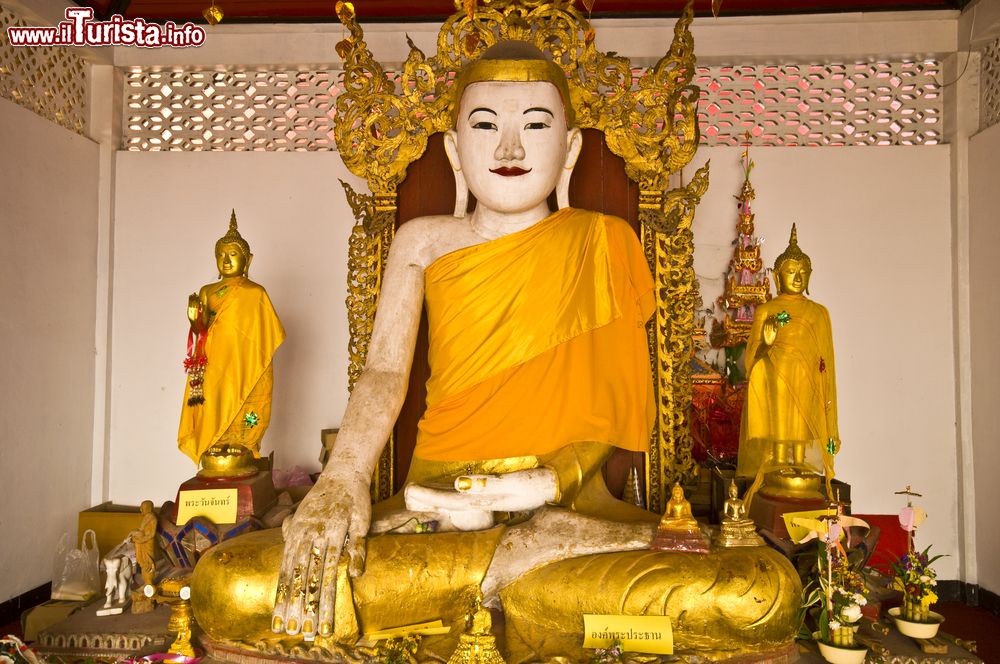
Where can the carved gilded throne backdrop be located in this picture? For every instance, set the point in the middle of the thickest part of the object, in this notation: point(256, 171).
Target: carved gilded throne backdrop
point(640, 128)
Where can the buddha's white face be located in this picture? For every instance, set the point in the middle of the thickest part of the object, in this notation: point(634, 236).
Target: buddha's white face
point(512, 143)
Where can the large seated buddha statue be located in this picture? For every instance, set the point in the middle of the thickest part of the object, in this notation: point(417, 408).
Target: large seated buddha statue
point(539, 370)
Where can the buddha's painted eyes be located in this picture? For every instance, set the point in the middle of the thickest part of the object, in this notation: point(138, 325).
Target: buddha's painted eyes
point(537, 125)
point(484, 124)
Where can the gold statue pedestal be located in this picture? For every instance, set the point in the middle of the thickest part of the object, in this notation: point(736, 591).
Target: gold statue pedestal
point(793, 482)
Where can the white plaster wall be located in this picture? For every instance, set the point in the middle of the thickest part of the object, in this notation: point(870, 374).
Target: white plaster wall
point(876, 223)
point(170, 209)
point(48, 274)
point(984, 241)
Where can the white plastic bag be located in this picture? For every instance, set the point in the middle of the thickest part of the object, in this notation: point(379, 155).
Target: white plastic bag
point(75, 573)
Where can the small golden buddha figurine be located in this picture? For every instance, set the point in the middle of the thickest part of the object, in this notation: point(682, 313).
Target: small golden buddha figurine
point(234, 334)
point(789, 432)
point(477, 645)
point(678, 529)
point(736, 529)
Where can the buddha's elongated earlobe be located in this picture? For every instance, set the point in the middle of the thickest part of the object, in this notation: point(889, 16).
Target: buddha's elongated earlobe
point(461, 188)
point(574, 142)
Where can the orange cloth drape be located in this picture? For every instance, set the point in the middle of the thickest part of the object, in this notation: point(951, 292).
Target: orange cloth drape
point(242, 339)
point(538, 340)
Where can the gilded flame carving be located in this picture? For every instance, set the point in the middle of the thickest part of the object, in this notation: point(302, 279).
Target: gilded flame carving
point(650, 121)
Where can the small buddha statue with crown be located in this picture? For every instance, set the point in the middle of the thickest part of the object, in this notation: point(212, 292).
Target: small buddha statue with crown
point(789, 430)
point(736, 528)
point(233, 335)
point(477, 645)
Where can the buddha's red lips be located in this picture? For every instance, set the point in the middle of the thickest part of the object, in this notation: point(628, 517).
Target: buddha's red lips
point(509, 171)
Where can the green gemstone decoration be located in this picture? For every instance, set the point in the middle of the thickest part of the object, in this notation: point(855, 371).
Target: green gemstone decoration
point(831, 446)
point(251, 419)
point(783, 318)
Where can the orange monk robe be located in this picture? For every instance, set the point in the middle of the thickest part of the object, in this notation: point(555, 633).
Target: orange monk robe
point(538, 341)
point(242, 339)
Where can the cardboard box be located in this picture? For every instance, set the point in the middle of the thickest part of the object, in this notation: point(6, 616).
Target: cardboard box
point(38, 619)
point(112, 524)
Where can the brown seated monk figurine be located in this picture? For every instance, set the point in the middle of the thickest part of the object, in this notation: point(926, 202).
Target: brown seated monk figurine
point(539, 368)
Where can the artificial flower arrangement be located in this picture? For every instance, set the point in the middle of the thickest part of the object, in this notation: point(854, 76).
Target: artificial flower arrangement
point(914, 577)
point(838, 591)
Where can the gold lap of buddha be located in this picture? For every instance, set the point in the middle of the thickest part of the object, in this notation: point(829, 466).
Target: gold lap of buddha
point(527, 309)
point(233, 335)
point(789, 431)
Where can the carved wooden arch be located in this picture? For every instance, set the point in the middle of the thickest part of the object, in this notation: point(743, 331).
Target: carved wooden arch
point(384, 125)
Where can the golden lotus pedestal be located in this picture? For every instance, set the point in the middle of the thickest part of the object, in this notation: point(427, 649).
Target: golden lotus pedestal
point(726, 604)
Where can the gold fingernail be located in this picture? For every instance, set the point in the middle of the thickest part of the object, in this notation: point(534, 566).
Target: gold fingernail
point(325, 629)
point(276, 624)
point(463, 483)
point(293, 626)
point(307, 626)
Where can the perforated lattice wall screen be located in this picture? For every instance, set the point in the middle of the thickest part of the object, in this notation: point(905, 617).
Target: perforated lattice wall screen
point(242, 110)
point(989, 85)
point(49, 80)
point(882, 103)
point(878, 103)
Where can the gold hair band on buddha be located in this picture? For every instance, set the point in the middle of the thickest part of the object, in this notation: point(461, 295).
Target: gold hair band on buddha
point(515, 62)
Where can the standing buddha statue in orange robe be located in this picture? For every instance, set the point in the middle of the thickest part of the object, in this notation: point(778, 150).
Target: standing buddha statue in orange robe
point(234, 334)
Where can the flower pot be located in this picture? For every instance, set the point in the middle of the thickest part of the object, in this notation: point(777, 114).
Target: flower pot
point(918, 630)
point(915, 611)
point(840, 654)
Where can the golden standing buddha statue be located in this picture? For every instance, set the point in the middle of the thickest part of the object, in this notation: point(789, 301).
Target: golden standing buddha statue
point(789, 430)
point(234, 334)
point(539, 367)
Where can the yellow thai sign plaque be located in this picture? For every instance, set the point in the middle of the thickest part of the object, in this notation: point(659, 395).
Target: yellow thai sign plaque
point(651, 634)
point(216, 505)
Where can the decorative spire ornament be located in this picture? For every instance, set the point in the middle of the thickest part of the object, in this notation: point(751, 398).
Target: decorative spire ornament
point(747, 284)
point(633, 492)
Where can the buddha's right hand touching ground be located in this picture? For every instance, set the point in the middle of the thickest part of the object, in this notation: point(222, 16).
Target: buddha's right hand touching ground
point(331, 521)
